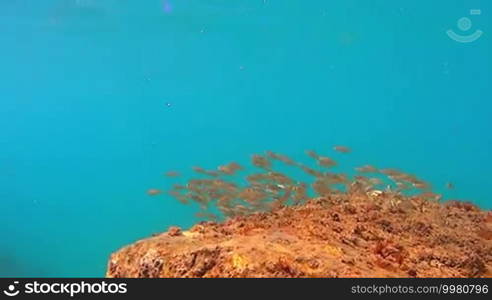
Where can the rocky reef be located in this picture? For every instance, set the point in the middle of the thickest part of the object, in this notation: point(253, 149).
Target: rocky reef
point(339, 235)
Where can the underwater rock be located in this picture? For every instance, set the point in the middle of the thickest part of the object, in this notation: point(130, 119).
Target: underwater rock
point(340, 235)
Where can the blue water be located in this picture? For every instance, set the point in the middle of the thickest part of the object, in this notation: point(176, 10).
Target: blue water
point(100, 97)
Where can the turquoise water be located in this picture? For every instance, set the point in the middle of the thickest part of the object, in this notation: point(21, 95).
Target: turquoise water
point(100, 97)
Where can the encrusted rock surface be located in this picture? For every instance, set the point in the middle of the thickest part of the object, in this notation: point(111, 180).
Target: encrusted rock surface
point(336, 236)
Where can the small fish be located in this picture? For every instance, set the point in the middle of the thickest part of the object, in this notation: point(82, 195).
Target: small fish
point(282, 200)
point(240, 210)
point(375, 181)
point(312, 154)
point(224, 185)
point(334, 178)
point(181, 198)
point(391, 172)
point(199, 198)
point(449, 185)
point(311, 171)
point(230, 169)
point(198, 169)
point(273, 189)
point(362, 179)
point(261, 162)
point(326, 162)
point(235, 166)
point(206, 215)
point(300, 193)
point(430, 196)
point(179, 187)
point(402, 186)
point(252, 195)
point(172, 174)
point(224, 202)
point(358, 187)
point(321, 187)
point(153, 192)
point(257, 177)
point(280, 157)
point(226, 170)
point(279, 177)
point(174, 193)
point(342, 149)
point(367, 169)
point(206, 172)
point(421, 185)
point(403, 177)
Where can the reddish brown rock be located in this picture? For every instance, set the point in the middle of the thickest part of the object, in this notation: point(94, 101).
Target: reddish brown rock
point(174, 231)
point(342, 237)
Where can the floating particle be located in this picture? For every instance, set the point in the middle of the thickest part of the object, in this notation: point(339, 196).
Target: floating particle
point(449, 185)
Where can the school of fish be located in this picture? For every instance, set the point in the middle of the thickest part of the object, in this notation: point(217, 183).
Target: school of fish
point(222, 193)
